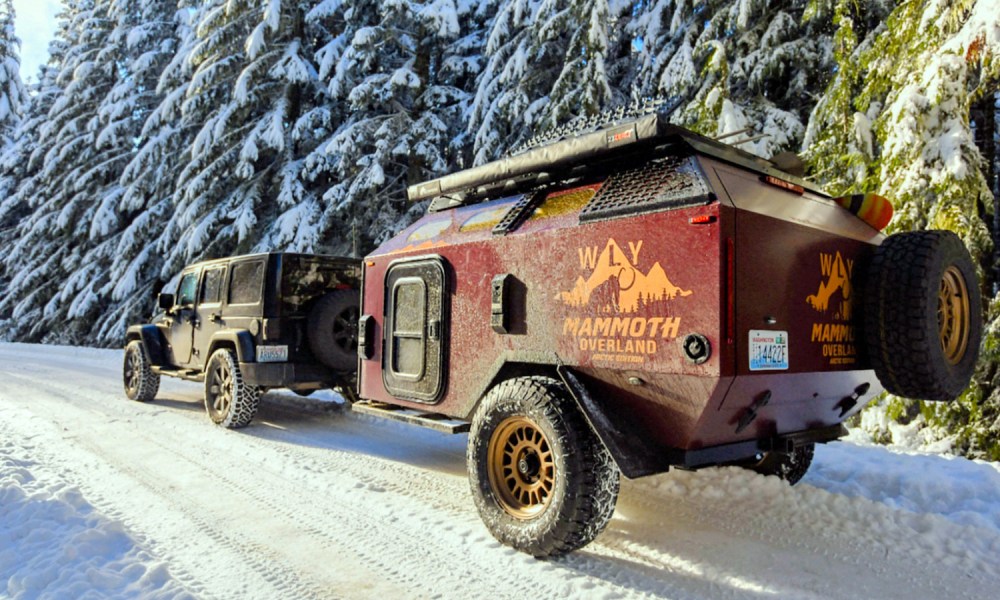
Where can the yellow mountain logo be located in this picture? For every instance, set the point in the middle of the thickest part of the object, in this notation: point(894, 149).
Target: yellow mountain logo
point(836, 273)
point(615, 284)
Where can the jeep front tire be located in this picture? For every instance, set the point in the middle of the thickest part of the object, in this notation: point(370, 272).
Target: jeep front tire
point(541, 479)
point(229, 400)
point(141, 383)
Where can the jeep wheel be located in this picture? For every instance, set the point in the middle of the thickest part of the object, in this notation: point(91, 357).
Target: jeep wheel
point(790, 466)
point(333, 329)
point(229, 401)
point(141, 383)
point(923, 319)
point(542, 481)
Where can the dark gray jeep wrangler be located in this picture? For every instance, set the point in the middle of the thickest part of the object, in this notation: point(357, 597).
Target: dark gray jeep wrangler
point(246, 324)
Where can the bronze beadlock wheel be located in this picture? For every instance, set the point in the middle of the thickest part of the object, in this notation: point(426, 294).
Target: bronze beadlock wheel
point(541, 479)
point(953, 315)
point(521, 468)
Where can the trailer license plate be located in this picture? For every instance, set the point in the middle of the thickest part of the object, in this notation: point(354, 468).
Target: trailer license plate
point(272, 353)
point(768, 350)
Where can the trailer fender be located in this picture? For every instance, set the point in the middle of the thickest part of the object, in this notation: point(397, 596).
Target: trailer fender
point(633, 452)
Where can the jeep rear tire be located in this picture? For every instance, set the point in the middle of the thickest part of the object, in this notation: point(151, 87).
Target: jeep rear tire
point(229, 400)
point(141, 383)
point(923, 319)
point(333, 329)
point(541, 479)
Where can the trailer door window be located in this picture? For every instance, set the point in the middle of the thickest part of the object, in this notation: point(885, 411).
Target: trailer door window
point(414, 329)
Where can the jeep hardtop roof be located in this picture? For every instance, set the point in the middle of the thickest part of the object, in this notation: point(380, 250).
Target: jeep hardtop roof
point(227, 259)
point(568, 158)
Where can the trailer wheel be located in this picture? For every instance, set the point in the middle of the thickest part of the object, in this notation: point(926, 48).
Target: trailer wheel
point(229, 401)
point(790, 466)
point(141, 383)
point(923, 319)
point(333, 329)
point(541, 479)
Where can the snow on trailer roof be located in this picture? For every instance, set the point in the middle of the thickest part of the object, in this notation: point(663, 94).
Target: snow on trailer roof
point(562, 159)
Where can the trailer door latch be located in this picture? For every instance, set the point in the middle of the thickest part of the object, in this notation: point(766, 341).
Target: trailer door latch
point(499, 292)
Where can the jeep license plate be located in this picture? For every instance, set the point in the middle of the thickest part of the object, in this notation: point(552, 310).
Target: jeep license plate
point(272, 353)
point(768, 350)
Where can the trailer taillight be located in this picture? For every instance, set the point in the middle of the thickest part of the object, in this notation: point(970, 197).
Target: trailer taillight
point(785, 185)
point(730, 291)
point(702, 220)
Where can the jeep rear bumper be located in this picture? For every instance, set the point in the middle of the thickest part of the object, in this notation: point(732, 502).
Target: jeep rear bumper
point(283, 374)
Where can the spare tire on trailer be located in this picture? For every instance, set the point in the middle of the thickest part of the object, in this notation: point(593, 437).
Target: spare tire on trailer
point(923, 315)
point(333, 329)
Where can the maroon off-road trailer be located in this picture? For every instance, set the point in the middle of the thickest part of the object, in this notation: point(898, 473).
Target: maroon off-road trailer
point(639, 297)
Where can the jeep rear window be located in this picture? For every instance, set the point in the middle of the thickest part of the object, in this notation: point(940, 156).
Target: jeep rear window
point(211, 286)
point(246, 282)
point(304, 278)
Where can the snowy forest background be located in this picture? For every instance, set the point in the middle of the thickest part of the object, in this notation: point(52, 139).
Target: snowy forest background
point(163, 132)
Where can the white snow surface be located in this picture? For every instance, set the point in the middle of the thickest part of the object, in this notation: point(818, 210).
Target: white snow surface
point(101, 497)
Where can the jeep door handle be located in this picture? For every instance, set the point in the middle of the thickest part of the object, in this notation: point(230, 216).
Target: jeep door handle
point(214, 317)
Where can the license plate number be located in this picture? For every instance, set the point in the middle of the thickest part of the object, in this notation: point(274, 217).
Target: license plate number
point(768, 350)
point(272, 353)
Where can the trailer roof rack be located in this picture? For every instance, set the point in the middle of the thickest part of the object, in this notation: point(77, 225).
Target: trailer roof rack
point(584, 155)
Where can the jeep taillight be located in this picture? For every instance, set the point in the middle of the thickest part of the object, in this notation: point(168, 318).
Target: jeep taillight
point(271, 329)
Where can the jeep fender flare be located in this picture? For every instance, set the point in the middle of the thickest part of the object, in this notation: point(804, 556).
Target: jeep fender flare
point(152, 342)
point(633, 453)
point(239, 340)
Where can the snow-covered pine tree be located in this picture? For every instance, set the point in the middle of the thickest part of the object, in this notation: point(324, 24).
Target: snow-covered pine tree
point(593, 35)
point(390, 84)
point(128, 218)
point(150, 177)
point(13, 101)
point(53, 238)
point(839, 147)
point(547, 61)
point(914, 84)
point(13, 98)
point(735, 64)
point(257, 98)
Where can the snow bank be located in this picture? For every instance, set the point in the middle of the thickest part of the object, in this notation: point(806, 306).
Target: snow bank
point(964, 491)
point(54, 544)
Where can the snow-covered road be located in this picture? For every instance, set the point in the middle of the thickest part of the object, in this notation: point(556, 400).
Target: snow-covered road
point(124, 499)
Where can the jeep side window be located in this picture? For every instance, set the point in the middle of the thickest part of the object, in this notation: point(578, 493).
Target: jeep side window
point(246, 282)
point(186, 289)
point(211, 286)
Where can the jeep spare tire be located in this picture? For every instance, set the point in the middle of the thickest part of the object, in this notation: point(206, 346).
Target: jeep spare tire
point(923, 315)
point(333, 329)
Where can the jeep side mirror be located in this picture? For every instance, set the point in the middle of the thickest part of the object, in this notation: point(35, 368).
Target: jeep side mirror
point(165, 301)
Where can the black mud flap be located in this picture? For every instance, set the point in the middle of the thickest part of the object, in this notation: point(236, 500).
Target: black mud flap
point(633, 453)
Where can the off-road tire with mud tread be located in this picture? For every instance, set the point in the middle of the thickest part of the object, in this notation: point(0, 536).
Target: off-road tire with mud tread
point(790, 466)
point(332, 329)
point(141, 383)
point(585, 479)
point(901, 327)
point(239, 401)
